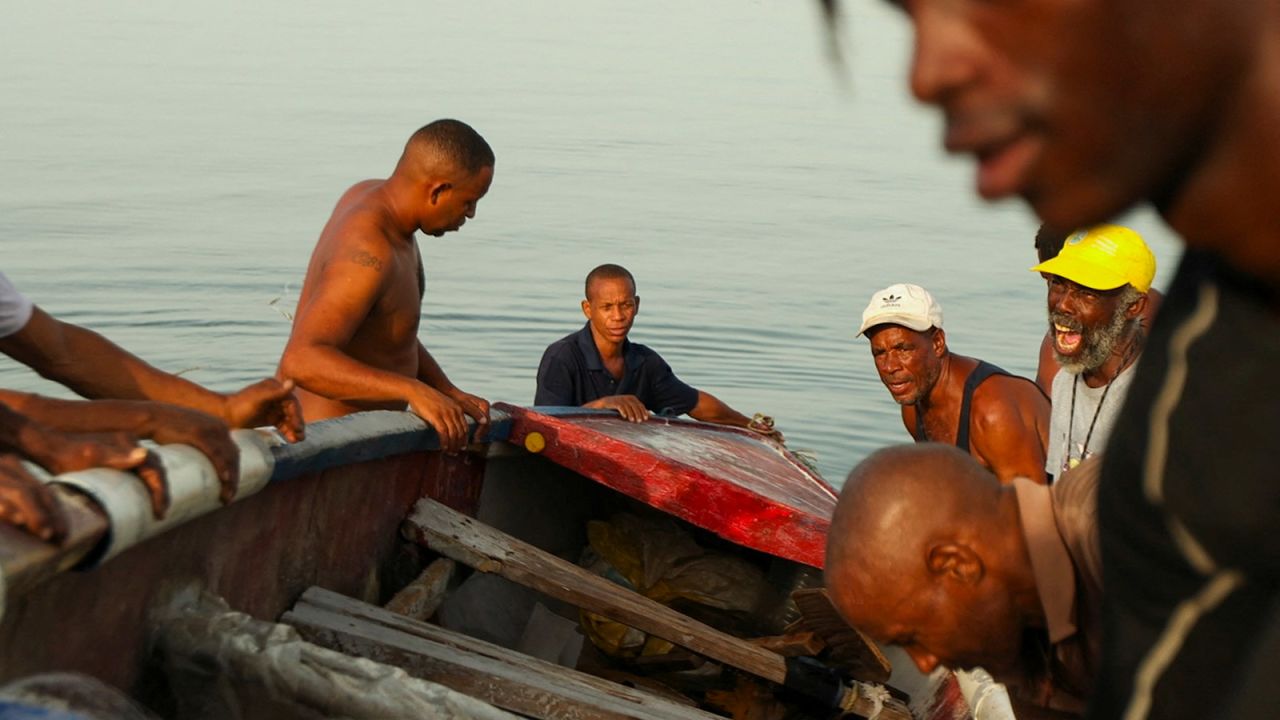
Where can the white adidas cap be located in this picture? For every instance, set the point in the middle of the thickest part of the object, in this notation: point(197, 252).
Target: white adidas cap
point(910, 306)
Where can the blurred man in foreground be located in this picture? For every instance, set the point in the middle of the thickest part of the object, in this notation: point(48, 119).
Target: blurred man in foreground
point(1086, 109)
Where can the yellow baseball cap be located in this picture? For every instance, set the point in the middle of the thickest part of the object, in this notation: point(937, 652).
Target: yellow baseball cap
point(1104, 257)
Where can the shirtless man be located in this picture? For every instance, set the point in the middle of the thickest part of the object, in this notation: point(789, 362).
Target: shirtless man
point(355, 342)
point(1000, 419)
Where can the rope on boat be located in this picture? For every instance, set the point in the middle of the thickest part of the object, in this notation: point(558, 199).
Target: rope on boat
point(859, 694)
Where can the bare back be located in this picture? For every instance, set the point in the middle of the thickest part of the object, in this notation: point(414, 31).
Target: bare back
point(362, 295)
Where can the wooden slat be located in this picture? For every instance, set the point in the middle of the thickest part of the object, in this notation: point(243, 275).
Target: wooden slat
point(505, 678)
point(219, 660)
point(486, 549)
point(792, 644)
point(489, 550)
point(421, 598)
point(847, 648)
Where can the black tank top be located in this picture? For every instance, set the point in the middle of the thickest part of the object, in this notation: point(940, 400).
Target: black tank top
point(979, 375)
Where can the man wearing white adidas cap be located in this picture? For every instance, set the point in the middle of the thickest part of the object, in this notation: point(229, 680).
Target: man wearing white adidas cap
point(999, 418)
point(1098, 288)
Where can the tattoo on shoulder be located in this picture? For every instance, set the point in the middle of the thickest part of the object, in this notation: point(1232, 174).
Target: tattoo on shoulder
point(364, 258)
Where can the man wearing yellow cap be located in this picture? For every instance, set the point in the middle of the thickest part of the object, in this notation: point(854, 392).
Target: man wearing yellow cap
point(1098, 288)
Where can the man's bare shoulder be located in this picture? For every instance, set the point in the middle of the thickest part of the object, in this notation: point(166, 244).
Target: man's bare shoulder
point(1000, 398)
point(356, 232)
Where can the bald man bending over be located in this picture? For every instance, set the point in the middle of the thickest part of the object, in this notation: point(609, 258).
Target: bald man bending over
point(927, 550)
point(355, 342)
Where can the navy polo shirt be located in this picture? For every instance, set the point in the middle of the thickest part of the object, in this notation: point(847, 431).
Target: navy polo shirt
point(572, 374)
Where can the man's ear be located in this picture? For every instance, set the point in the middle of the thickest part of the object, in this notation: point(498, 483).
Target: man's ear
point(637, 299)
point(438, 189)
point(586, 308)
point(1137, 307)
point(939, 342)
point(959, 562)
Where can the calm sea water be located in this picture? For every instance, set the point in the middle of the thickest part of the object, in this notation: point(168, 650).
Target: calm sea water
point(166, 170)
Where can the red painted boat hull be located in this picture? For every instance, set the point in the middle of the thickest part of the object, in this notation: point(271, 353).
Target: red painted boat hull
point(734, 483)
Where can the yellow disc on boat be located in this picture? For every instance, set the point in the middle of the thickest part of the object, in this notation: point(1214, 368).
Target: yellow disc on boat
point(534, 442)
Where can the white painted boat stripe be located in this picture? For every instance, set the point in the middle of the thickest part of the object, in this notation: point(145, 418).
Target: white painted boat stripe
point(193, 490)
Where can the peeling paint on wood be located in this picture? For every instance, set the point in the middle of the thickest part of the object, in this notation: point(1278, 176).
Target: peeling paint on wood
point(732, 482)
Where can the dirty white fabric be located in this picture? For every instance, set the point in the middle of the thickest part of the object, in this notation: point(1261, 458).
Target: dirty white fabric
point(15, 308)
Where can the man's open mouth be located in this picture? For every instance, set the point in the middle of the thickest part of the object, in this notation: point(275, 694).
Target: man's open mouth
point(1066, 340)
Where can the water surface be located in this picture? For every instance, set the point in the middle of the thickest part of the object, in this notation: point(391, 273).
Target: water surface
point(166, 170)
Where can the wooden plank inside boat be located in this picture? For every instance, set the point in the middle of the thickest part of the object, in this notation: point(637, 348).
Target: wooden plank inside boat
point(470, 542)
point(503, 677)
point(421, 598)
point(796, 644)
point(489, 550)
point(846, 647)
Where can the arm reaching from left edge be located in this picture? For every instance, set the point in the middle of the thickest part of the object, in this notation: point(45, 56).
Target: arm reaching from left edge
point(97, 368)
point(713, 410)
point(122, 422)
point(29, 503)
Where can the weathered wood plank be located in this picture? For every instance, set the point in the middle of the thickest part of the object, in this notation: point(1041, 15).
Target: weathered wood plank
point(473, 543)
point(847, 648)
point(341, 604)
point(792, 644)
point(421, 598)
point(489, 550)
point(499, 676)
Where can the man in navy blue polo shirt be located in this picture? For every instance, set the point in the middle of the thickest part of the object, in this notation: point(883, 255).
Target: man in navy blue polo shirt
point(597, 367)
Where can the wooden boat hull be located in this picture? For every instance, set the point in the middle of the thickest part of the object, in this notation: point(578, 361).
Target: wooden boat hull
point(330, 517)
point(335, 528)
